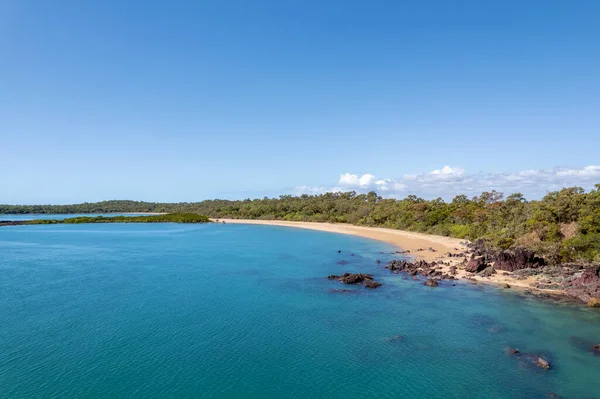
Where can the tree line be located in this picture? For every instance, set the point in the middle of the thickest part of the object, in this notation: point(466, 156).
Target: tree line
point(563, 226)
point(166, 218)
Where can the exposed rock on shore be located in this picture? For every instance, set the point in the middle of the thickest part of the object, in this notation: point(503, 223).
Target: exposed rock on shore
point(476, 265)
point(519, 258)
point(586, 287)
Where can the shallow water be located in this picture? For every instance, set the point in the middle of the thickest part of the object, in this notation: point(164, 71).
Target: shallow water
point(171, 310)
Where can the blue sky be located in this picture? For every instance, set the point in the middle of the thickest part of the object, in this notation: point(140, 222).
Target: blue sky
point(188, 100)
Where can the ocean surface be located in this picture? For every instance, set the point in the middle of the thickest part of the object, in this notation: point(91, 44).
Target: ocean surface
point(235, 311)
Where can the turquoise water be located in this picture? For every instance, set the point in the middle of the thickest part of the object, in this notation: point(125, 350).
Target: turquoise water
point(34, 216)
point(168, 310)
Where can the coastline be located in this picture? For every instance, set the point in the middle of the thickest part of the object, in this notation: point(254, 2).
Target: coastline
point(412, 241)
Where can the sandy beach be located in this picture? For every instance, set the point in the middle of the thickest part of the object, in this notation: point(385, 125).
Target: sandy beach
point(418, 244)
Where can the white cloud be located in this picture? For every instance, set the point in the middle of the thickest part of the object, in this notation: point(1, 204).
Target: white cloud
point(310, 190)
point(369, 182)
point(449, 181)
point(589, 171)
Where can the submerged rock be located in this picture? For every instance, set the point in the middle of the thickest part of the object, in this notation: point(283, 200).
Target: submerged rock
point(512, 351)
point(431, 283)
point(543, 363)
point(342, 291)
point(596, 349)
point(395, 338)
point(372, 284)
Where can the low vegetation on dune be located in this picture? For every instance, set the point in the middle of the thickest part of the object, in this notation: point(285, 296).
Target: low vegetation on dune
point(564, 226)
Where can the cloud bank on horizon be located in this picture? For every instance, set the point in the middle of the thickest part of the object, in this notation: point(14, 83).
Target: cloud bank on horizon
point(448, 182)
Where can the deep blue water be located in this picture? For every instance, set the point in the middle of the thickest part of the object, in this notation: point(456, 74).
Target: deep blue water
point(169, 310)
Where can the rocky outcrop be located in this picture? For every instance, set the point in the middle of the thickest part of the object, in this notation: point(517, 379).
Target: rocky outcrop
point(476, 265)
point(356, 278)
point(586, 287)
point(516, 259)
point(351, 278)
point(372, 284)
point(487, 272)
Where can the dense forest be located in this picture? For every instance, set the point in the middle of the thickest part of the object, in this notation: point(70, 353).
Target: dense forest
point(167, 218)
point(563, 226)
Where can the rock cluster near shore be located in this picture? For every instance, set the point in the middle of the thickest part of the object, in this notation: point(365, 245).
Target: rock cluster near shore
point(356, 278)
point(579, 282)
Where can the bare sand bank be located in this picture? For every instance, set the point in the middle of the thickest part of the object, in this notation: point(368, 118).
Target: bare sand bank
point(421, 246)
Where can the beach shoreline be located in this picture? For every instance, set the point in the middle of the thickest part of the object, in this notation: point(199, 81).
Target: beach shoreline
point(421, 246)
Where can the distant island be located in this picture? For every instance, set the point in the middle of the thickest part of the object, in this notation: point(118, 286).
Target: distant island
point(167, 218)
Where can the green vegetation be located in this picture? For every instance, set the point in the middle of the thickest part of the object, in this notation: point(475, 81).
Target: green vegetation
point(168, 218)
point(563, 226)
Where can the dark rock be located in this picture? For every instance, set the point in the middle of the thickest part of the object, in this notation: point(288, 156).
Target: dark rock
point(431, 283)
point(372, 284)
point(475, 265)
point(516, 259)
point(342, 262)
point(339, 251)
point(453, 270)
point(586, 287)
point(356, 278)
point(431, 249)
point(487, 272)
point(590, 276)
point(378, 261)
point(478, 247)
point(506, 286)
point(596, 349)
